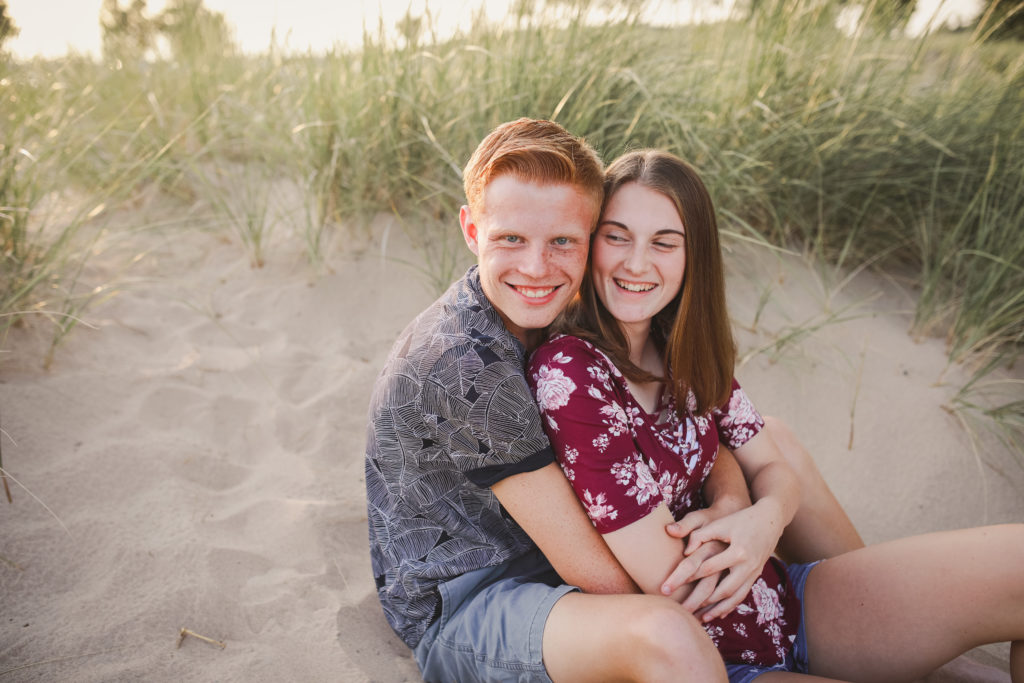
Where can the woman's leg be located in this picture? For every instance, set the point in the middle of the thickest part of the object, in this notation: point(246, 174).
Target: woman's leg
point(820, 528)
point(897, 610)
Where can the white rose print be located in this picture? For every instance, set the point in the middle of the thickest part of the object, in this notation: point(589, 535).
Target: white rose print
point(645, 485)
point(598, 507)
point(769, 609)
point(553, 388)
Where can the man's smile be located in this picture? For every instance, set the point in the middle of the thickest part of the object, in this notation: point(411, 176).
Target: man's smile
point(534, 292)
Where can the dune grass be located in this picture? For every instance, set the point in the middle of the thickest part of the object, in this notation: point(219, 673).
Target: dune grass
point(859, 148)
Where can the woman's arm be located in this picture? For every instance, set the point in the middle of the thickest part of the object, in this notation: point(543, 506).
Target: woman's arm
point(650, 556)
point(751, 533)
point(773, 488)
point(725, 492)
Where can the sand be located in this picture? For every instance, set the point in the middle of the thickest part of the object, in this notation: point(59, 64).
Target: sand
point(195, 456)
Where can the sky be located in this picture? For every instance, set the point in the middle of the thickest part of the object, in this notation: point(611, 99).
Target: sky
point(51, 27)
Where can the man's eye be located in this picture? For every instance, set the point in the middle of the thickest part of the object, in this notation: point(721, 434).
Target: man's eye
point(561, 241)
point(512, 238)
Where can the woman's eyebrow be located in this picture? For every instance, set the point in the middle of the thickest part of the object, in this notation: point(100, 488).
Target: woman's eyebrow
point(663, 231)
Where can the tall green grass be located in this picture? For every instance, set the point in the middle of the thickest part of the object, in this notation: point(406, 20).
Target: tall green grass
point(907, 153)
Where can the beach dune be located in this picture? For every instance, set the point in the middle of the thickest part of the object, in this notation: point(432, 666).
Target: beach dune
point(195, 455)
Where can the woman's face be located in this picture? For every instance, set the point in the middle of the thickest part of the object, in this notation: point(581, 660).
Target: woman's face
point(638, 254)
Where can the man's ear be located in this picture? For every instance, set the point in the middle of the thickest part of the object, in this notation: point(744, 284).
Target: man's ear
point(469, 230)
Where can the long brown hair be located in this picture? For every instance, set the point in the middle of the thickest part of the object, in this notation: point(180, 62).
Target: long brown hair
point(692, 332)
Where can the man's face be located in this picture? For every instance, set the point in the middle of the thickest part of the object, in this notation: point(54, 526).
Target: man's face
point(531, 246)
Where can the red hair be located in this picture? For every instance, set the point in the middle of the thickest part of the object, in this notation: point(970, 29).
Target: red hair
point(535, 151)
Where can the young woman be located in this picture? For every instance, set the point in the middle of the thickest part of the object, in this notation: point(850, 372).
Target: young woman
point(636, 398)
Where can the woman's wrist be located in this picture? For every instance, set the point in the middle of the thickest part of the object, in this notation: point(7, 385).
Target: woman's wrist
point(728, 503)
point(773, 512)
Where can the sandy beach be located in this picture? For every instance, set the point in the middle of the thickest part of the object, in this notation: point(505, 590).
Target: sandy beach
point(195, 454)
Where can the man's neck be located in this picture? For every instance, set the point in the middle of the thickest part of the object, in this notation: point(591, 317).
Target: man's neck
point(531, 339)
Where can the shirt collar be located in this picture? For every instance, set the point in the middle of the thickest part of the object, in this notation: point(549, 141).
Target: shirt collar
point(494, 327)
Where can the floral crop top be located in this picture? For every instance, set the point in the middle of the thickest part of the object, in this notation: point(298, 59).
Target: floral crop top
point(623, 462)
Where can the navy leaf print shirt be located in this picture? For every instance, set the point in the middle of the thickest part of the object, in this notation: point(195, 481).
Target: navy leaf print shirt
point(450, 415)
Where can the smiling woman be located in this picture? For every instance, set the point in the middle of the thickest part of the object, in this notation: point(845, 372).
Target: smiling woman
point(639, 446)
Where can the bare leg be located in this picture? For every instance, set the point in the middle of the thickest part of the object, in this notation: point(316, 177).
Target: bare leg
point(627, 638)
point(820, 528)
point(895, 611)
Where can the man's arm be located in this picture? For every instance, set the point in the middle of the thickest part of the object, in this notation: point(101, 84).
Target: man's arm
point(545, 506)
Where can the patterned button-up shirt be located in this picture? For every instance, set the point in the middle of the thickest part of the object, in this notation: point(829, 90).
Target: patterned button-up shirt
point(451, 414)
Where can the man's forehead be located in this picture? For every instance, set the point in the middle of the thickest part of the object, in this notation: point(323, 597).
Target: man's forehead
point(504, 196)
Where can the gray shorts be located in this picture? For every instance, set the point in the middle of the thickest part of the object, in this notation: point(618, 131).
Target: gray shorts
point(491, 626)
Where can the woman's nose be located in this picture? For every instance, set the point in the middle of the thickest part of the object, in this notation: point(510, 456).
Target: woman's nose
point(636, 260)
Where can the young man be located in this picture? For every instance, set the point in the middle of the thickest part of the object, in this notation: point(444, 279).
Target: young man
point(479, 547)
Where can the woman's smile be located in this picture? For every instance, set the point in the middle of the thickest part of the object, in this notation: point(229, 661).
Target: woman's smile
point(638, 287)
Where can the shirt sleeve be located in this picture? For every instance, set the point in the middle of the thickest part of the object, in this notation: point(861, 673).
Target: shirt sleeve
point(592, 433)
point(484, 416)
point(737, 420)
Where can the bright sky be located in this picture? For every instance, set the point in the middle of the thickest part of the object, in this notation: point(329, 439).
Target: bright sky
point(51, 27)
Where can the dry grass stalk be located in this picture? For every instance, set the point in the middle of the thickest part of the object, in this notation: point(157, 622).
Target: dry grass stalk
point(187, 632)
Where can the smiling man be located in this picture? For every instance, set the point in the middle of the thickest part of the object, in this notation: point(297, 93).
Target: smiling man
point(485, 563)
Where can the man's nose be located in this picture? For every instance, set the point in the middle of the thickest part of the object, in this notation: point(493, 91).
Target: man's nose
point(535, 261)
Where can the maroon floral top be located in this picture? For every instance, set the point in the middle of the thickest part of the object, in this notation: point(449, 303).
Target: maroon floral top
point(623, 462)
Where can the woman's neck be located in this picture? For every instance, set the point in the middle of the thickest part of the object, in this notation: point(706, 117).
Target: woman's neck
point(638, 336)
point(644, 355)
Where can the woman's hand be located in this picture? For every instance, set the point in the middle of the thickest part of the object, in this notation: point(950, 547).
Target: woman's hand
point(723, 505)
point(696, 592)
point(750, 535)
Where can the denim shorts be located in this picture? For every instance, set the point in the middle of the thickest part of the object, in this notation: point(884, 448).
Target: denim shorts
point(492, 621)
point(796, 660)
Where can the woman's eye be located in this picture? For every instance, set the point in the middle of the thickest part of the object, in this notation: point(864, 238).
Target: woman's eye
point(665, 245)
point(615, 238)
